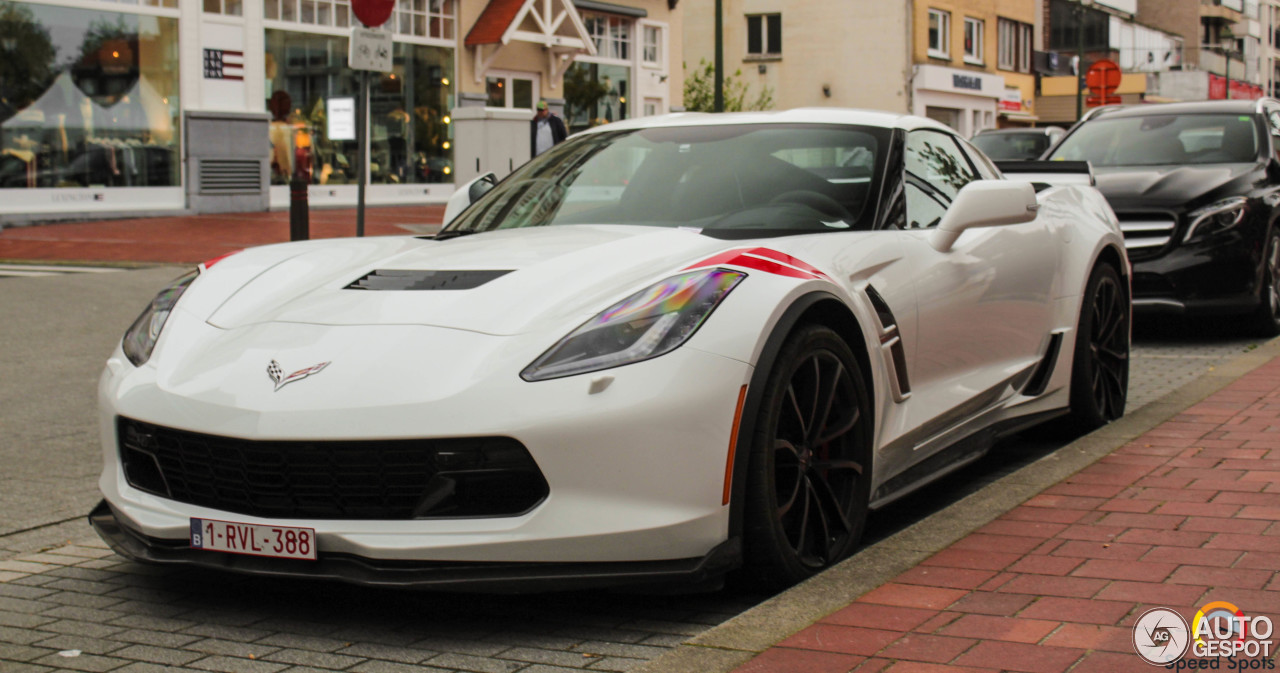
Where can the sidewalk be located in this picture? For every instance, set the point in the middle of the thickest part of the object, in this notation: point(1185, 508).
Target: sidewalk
point(1181, 508)
point(192, 239)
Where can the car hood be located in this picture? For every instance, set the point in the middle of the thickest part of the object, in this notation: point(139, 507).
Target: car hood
point(551, 274)
point(1170, 187)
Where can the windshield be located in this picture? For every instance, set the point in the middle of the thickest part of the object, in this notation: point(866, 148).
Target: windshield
point(792, 178)
point(1162, 139)
point(1012, 146)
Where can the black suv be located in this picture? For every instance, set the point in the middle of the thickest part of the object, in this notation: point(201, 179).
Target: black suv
point(1196, 187)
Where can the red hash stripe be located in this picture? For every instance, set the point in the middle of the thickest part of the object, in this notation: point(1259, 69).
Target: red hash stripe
point(752, 259)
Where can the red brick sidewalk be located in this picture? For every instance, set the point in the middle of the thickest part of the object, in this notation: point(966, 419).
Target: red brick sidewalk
point(1186, 514)
point(195, 238)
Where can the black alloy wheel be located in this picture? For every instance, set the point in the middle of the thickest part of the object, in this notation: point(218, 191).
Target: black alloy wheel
point(810, 472)
point(1266, 322)
point(1100, 373)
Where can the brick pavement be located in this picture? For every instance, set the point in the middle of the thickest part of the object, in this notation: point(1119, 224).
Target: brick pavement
point(196, 238)
point(1187, 513)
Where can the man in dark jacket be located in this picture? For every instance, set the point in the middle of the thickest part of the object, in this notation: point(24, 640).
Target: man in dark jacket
point(545, 130)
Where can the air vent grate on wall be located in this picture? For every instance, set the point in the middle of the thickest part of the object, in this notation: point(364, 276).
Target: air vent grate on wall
point(230, 176)
point(394, 279)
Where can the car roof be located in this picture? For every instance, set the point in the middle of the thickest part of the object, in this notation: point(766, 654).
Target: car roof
point(822, 115)
point(1235, 106)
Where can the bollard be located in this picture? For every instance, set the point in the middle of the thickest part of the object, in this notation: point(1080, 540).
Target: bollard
point(299, 211)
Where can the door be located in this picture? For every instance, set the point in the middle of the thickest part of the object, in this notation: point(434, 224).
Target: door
point(985, 305)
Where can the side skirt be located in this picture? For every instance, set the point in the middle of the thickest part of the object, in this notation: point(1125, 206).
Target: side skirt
point(954, 457)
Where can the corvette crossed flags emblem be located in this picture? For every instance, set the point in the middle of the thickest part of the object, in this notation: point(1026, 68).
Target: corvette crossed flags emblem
point(277, 373)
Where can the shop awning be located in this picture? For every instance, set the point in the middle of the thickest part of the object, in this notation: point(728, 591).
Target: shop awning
point(554, 24)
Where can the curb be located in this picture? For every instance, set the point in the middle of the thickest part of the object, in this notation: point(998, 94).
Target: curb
point(735, 642)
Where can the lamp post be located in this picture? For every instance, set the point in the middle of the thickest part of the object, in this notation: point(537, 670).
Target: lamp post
point(1227, 37)
point(718, 96)
point(1079, 12)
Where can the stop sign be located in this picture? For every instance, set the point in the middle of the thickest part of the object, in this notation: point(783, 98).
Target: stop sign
point(373, 13)
point(1102, 78)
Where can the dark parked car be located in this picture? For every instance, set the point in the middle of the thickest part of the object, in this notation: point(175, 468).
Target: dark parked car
point(1021, 144)
point(1196, 187)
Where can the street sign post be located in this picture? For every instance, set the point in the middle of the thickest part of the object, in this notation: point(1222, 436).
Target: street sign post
point(368, 49)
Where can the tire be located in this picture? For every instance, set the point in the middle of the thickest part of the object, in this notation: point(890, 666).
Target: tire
point(809, 472)
point(1266, 321)
point(1100, 368)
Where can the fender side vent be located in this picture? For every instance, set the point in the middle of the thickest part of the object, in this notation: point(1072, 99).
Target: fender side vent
point(881, 307)
point(392, 279)
point(1040, 377)
point(891, 345)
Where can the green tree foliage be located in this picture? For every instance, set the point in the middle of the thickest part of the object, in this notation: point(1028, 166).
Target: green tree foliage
point(26, 55)
point(699, 91)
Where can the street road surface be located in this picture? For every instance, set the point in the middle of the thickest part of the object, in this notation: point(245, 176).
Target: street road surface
point(77, 597)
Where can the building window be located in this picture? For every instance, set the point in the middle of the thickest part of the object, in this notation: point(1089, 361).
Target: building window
point(764, 35)
point(425, 18)
point(409, 135)
point(595, 94)
point(95, 99)
point(652, 53)
point(509, 91)
point(328, 13)
point(419, 18)
point(228, 7)
point(973, 41)
point(1015, 46)
point(611, 35)
point(939, 34)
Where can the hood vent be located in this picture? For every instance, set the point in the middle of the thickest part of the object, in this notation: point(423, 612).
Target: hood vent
point(393, 279)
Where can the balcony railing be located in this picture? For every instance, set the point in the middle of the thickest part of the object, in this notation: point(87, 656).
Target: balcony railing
point(1214, 59)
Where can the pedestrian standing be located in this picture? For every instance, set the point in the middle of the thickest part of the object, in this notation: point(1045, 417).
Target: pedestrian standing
point(546, 130)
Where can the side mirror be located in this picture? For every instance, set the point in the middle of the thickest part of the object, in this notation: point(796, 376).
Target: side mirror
point(468, 194)
point(985, 203)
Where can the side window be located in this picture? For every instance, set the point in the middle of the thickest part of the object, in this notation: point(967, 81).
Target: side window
point(936, 170)
point(1273, 127)
point(986, 168)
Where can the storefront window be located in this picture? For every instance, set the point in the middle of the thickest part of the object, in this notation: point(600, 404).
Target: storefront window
point(87, 98)
point(409, 139)
point(595, 94)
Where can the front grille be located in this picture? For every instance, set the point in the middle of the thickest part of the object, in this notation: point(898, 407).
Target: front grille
point(1145, 234)
point(372, 480)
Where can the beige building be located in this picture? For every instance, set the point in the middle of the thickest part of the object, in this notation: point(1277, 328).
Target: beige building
point(593, 62)
point(966, 63)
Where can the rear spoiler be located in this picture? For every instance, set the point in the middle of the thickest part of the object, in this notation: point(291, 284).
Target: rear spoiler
point(1049, 172)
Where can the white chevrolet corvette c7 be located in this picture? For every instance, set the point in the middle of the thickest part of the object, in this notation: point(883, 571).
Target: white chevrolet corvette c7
point(666, 349)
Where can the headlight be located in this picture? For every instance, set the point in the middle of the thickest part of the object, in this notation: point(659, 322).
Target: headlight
point(142, 335)
point(647, 324)
point(1217, 217)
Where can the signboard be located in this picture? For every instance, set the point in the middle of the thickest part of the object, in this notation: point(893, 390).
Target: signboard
point(341, 118)
point(1011, 101)
point(370, 50)
point(223, 64)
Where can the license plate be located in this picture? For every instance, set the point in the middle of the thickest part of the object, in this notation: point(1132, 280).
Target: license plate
point(253, 539)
